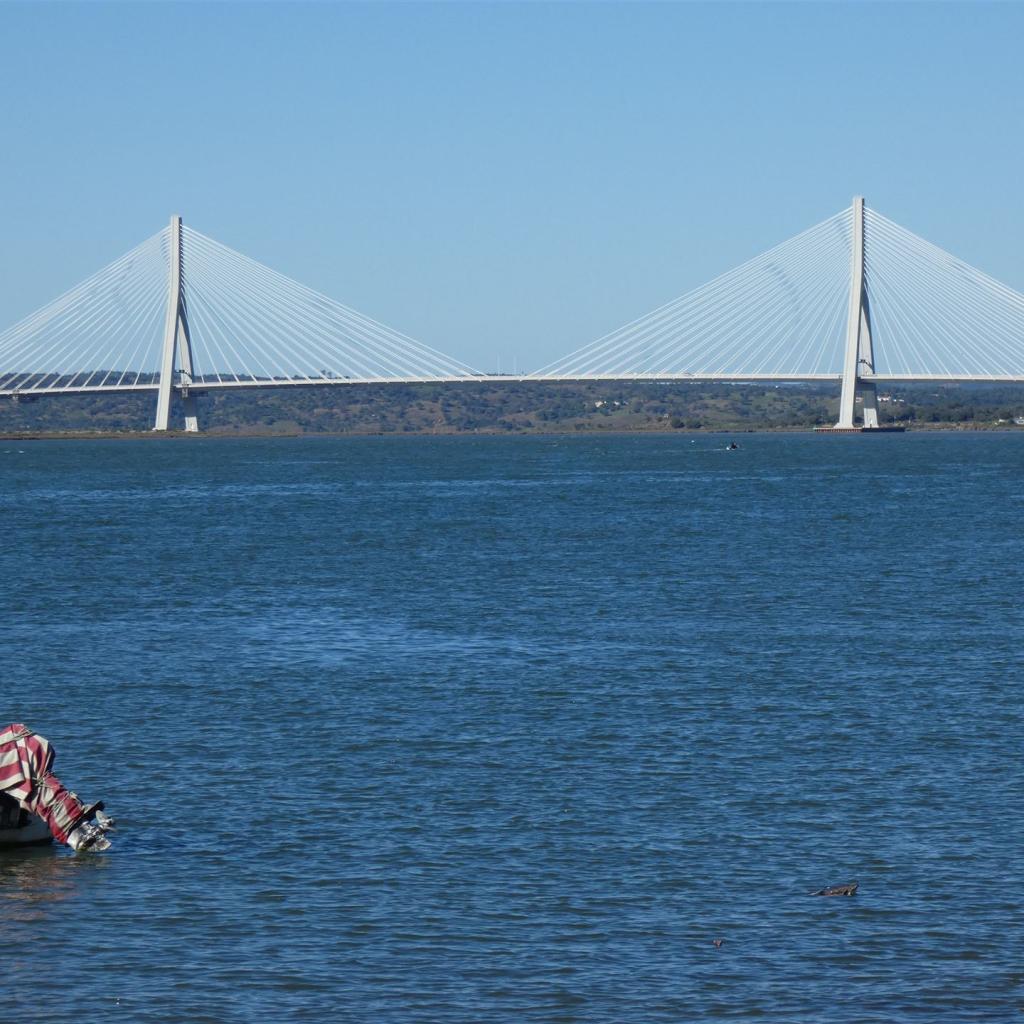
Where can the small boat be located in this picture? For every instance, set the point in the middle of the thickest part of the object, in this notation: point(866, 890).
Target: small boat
point(20, 828)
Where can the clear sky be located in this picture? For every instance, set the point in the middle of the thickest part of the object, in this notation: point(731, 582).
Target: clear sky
point(501, 180)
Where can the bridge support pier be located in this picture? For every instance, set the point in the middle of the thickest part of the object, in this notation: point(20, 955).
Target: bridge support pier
point(859, 358)
point(191, 414)
point(177, 342)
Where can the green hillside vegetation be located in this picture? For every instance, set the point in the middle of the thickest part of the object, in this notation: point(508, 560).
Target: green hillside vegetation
point(518, 407)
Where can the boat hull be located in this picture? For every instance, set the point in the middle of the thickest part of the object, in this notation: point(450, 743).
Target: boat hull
point(35, 833)
point(19, 828)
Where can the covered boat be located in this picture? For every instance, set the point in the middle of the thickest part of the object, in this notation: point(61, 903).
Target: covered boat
point(33, 795)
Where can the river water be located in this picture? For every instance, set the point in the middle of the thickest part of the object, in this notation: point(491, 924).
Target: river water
point(480, 730)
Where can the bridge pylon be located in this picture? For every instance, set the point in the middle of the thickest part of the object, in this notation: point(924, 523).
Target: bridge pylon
point(177, 343)
point(859, 358)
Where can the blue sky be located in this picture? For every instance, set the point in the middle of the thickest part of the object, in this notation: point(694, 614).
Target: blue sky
point(501, 180)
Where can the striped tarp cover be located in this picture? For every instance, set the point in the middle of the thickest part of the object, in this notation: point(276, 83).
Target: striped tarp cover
point(25, 762)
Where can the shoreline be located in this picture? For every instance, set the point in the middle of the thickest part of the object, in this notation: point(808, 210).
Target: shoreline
point(223, 435)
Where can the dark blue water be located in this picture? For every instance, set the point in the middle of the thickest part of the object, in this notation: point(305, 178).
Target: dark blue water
point(405, 730)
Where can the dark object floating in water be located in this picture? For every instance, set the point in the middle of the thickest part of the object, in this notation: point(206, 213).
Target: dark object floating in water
point(732, 447)
point(717, 943)
point(850, 889)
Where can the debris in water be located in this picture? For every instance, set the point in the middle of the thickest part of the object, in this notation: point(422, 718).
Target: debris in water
point(849, 889)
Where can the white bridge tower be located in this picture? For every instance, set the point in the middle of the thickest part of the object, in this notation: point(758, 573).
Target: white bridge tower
point(859, 359)
point(177, 342)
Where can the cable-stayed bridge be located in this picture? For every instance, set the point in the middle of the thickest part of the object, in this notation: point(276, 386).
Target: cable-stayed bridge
point(856, 299)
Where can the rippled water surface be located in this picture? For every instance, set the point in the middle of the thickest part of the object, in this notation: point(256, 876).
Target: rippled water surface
point(482, 730)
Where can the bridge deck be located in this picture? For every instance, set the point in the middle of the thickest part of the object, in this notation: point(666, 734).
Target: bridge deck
point(745, 378)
